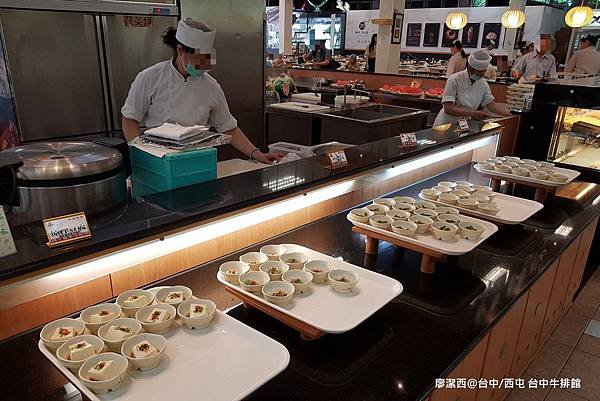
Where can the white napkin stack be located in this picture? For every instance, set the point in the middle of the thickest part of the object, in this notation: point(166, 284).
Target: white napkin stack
point(175, 132)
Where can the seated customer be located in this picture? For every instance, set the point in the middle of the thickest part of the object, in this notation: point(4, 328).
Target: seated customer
point(351, 64)
point(321, 57)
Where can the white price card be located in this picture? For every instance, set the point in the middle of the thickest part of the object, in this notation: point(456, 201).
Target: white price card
point(408, 140)
point(66, 229)
point(7, 244)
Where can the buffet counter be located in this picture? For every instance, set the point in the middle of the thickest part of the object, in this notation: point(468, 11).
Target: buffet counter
point(400, 351)
point(147, 239)
point(376, 81)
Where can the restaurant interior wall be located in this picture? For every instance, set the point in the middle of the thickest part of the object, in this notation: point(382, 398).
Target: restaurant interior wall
point(539, 20)
point(240, 50)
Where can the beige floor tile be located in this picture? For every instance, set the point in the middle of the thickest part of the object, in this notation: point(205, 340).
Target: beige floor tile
point(549, 362)
point(589, 344)
point(557, 394)
point(586, 367)
point(571, 328)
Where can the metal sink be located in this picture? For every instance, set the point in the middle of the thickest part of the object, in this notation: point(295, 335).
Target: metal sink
point(375, 114)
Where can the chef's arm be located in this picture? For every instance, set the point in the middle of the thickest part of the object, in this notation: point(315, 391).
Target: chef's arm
point(131, 128)
point(455, 110)
point(240, 141)
point(499, 109)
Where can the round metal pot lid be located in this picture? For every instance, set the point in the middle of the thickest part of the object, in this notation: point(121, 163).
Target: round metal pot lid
point(64, 160)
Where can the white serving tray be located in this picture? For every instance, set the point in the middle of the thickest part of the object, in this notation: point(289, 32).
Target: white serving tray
point(224, 362)
point(459, 246)
point(513, 210)
point(571, 174)
point(329, 311)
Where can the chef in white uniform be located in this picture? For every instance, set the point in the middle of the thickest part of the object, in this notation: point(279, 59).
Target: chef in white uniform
point(466, 91)
point(181, 91)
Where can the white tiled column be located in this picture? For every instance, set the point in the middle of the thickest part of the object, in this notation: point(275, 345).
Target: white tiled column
point(286, 7)
point(388, 54)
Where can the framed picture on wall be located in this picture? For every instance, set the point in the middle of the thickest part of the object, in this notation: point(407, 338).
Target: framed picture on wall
point(519, 36)
point(431, 36)
point(491, 34)
point(413, 35)
point(397, 28)
point(449, 36)
point(470, 35)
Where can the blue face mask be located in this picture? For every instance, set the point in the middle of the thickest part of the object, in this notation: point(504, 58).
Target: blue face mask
point(474, 77)
point(192, 70)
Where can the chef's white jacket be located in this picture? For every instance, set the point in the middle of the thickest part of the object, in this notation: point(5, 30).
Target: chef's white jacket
point(463, 92)
point(160, 94)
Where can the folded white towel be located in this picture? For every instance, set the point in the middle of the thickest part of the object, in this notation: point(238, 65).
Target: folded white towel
point(175, 131)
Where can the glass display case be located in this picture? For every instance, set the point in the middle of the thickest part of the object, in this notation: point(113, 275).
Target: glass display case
point(576, 138)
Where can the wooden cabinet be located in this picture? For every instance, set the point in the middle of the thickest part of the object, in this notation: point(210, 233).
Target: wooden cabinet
point(559, 288)
point(469, 368)
point(501, 349)
point(583, 252)
point(533, 321)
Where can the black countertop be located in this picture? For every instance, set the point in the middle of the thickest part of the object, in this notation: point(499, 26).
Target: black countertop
point(399, 351)
point(153, 215)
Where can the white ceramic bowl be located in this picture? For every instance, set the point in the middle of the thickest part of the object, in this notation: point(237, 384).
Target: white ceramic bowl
point(468, 203)
point(464, 184)
point(483, 188)
point(343, 280)
point(510, 164)
point(443, 231)
point(274, 268)
point(520, 171)
point(423, 223)
point(489, 208)
point(479, 198)
point(464, 188)
point(319, 269)
point(231, 271)
point(200, 322)
point(253, 281)
point(493, 161)
point(446, 210)
point(102, 387)
point(442, 189)
point(398, 214)
point(63, 352)
point(530, 167)
point(501, 168)
point(113, 309)
point(130, 311)
point(539, 175)
point(461, 194)
point(273, 252)
point(300, 279)
point(389, 202)
point(404, 227)
point(406, 207)
point(470, 230)
point(546, 164)
point(295, 260)
point(449, 198)
point(488, 165)
point(559, 178)
point(254, 259)
point(274, 287)
point(448, 184)
point(147, 363)
point(549, 170)
point(432, 214)
point(378, 209)
point(49, 329)
point(115, 346)
point(430, 193)
point(404, 199)
point(489, 194)
point(529, 162)
point(383, 222)
point(424, 204)
point(361, 215)
point(156, 328)
point(450, 218)
point(513, 158)
point(162, 295)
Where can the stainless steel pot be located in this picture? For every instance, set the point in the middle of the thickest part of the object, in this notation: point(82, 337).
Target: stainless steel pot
point(59, 178)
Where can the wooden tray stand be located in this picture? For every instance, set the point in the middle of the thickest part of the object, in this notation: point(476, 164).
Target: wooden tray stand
point(307, 332)
point(429, 257)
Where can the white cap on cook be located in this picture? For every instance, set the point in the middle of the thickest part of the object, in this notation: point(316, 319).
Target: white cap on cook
point(196, 35)
point(480, 60)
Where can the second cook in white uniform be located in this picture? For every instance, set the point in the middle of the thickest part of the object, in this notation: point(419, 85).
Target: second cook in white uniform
point(181, 91)
point(466, 91)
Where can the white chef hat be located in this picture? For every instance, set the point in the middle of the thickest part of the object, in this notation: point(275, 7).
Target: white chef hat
point(480, 60)
point(196, 35)
point(534, 40)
